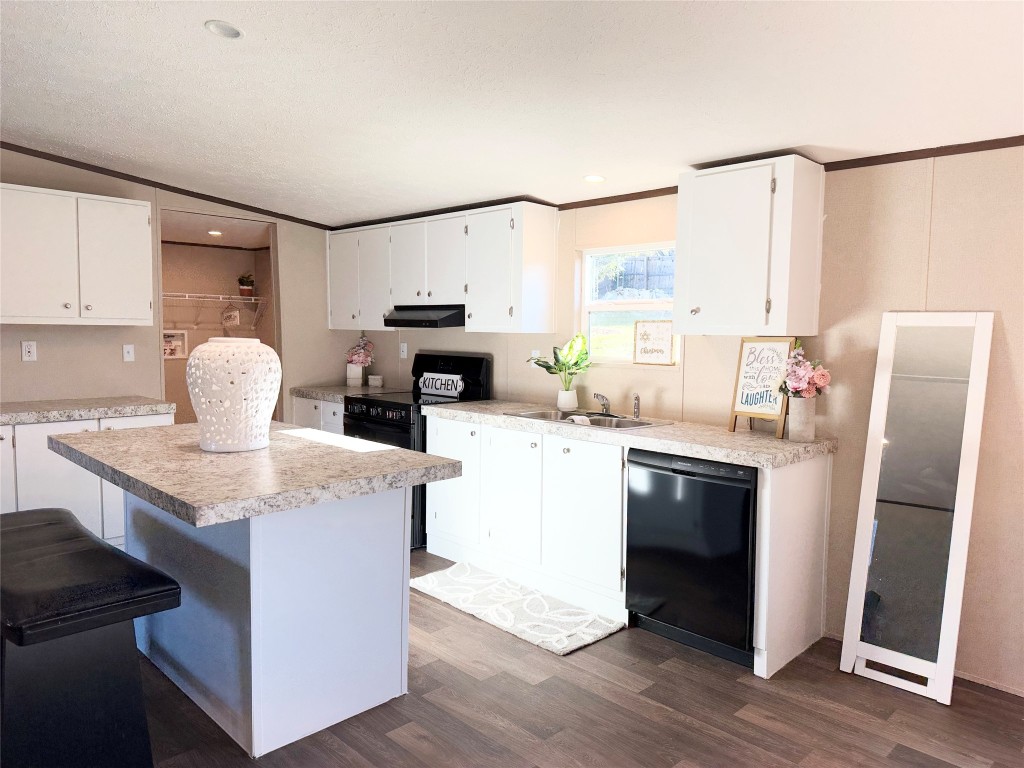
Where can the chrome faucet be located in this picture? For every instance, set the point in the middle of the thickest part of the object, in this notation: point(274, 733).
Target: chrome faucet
point(605, 405)
point(636, 405)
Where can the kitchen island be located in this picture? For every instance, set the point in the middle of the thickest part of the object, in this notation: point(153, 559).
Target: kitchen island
point(293, 565)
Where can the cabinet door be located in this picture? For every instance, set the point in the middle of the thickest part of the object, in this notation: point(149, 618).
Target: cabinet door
point(453, 506)
point(374, 278)
point(409, 263)
point(725, 230)
point(113, 497)
point(582, 528)
point(8, 494)
point(446, 260)
point(306, 413)
point(489, 271)
point(48, 480)
point(38, 255)
point(511, 493)
point(343, 279)
point(115, 253)
point(332, 417)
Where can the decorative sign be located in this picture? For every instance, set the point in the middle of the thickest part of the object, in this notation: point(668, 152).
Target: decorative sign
point(761, 369)
point(444, 384)
point(653, 343)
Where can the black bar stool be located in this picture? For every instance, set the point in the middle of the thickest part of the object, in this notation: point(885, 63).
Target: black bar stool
point(71, 687)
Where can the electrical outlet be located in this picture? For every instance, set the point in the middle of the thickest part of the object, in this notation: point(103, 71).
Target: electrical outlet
point(403, 350)
point(29, 352)
point(534, 353)
point(128, 353)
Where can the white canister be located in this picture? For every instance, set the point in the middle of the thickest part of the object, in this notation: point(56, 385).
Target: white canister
point(233, 384)
point(354, 375)
point(375, 380)
point(801, 419)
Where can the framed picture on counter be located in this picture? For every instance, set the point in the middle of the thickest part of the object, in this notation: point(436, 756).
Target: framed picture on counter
point(759, 373)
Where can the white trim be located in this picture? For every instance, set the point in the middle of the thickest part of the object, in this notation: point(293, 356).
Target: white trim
point(891, 658)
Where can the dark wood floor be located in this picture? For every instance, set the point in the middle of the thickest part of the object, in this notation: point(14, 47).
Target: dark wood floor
point(481, 697)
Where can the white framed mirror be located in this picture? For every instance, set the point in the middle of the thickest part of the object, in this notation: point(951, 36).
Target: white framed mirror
point(916, 500)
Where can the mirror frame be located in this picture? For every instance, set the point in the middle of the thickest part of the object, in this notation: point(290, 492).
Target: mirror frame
point(856, 653)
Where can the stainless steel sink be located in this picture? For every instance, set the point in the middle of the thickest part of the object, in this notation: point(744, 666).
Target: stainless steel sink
point(598, 421)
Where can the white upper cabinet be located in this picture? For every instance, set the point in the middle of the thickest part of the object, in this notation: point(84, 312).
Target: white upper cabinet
point(511, 262)
point(748, 249)
point(446, 260)
point(374, 278)
point(74, 259)
point(359, 279)
point(115, 260)
point(500, 262)
point(408, 264)
point(343, 280)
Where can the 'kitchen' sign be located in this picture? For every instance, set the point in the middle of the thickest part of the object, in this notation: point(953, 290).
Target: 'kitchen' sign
point(445, 384)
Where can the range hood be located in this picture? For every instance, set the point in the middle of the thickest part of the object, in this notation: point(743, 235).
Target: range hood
point(427, 316)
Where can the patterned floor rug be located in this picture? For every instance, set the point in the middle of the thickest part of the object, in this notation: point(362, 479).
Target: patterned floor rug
point(544, 621)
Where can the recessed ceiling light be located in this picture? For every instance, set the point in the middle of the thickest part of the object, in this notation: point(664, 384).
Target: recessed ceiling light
point(223, 29)
point(215, 232)
point(594, 178)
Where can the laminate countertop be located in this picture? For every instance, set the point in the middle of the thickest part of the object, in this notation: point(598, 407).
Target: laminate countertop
point(42, 411)
point(301, 467)
point(699, 441)
point(337, 394)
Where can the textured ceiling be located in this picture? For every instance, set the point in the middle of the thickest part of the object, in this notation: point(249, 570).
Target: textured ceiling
point(340, 112)
point(184, 227)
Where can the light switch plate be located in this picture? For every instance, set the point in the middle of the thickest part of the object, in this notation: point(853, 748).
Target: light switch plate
point(128, 353)
point(403, 350)
point(534, 353)
point(29, 354)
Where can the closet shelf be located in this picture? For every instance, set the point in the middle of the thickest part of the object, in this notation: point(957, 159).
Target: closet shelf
point(213, 297)
point(258, 305)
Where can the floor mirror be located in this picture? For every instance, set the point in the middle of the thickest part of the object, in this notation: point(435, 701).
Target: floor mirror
point(916, 499)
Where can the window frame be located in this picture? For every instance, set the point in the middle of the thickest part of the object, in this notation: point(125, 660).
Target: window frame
point(620, 305)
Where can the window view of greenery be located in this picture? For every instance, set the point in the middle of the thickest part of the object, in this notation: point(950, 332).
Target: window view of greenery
point(621, 288)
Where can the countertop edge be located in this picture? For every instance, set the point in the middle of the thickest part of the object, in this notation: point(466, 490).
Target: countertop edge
point(790, 453)
point(50, 415)
point(336, 393)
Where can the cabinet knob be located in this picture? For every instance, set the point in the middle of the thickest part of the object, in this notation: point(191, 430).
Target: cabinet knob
point(473, 433)
point(353, 317)
point(334, 413)
point(316, 407)
point(695, 311)
point(88, 307)
point(533, 445)
point(429, 294)
point(67, 305)
point(419, 292)
point(565, 450)
point(109, 429)
point(469, 316)
point(4, 437)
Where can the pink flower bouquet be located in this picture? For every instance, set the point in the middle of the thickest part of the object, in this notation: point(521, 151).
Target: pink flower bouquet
point(361, 353)
point(804, 378)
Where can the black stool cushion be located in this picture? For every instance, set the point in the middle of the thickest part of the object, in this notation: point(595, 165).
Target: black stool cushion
point(58, 579)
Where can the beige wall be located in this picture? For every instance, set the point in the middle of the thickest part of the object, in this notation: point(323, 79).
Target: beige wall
point(942, 234)
point(85, 361)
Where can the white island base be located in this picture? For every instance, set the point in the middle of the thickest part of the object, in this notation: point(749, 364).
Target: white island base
point(289, 622)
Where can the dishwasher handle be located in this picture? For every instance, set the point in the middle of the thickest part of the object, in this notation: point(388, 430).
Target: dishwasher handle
point(699, 469)
point(695, 476)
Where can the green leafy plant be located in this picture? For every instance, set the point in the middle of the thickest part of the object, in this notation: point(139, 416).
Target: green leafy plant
point(248, 280)
point(568, 362)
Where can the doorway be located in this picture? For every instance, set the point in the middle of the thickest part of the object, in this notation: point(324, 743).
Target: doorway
point(218, 277)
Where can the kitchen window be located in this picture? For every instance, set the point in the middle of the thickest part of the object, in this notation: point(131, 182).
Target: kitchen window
point(620, 286)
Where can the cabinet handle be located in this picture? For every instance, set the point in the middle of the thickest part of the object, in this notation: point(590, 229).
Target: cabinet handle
point(67, 305)
point(533, 445)
point(429, 294)
point(88, 307)
point(473, 433)
point(695, 311)
point(565, 450)
point(419, 292)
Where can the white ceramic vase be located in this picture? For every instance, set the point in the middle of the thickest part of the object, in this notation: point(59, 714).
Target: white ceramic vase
point(354, 375)
point(801, 419)
point(233, 385)
point(567, 400)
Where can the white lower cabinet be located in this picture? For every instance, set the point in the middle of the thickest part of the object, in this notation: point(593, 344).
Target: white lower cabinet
point(453, 506)
point(8, 495)
point(510, 478)
point(112, 497)
point(46, 479)
point(332, 417)
point(583, 525)
point(306, 412)
point(542, 510)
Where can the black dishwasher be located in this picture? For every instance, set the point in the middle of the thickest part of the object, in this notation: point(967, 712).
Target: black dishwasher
point(690, 552)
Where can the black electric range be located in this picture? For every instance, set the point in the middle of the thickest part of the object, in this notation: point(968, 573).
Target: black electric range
point(394, 418)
